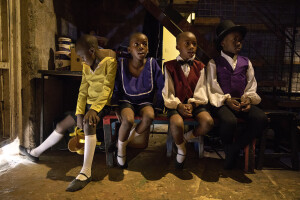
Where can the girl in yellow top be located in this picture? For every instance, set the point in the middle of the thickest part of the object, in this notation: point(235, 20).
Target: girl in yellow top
point(98, 78)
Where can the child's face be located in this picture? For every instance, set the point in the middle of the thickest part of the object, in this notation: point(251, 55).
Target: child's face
point(232, 42)
point(138, 47)
point(187, 46)
point(86, 55)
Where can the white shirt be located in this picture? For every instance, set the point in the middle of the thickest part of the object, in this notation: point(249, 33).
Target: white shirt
point(200, 93)
point(215, 93)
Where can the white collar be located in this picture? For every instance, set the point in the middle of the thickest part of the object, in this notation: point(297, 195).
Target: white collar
point(179, 58)
point(228, 58)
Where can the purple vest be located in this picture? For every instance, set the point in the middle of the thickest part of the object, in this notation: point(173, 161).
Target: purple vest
point(232, 81)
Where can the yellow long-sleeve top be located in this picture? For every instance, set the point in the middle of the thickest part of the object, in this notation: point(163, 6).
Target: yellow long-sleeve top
point(97, 86)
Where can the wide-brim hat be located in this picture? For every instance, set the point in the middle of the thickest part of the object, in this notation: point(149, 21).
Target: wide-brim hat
point(226, 27)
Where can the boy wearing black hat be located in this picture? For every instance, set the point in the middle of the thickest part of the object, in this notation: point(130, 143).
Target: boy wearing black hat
point(232, 91)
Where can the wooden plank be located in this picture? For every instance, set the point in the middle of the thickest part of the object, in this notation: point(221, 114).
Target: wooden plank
point(3, 30)
point(207, 21)
point(4, 65)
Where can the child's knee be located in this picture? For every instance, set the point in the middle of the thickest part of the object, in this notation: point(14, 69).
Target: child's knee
point(89, 129)
point(209, 123)
point(128, 121)
point(176, 122)
point(148, 118)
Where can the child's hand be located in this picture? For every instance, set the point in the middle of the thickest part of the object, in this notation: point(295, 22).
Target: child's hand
point(80, 121)
point(246, 105)
point(189, 107)
point(185, 109)
point(233, 104)
point(91, 117)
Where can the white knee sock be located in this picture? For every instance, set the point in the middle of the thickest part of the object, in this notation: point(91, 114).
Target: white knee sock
point(53, 138)
point(121, 157)
point(132, 134)
point(189, 135)
point(181, 152)
point(89, 150)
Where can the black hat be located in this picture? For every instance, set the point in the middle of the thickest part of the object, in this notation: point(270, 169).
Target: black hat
point(225, 27)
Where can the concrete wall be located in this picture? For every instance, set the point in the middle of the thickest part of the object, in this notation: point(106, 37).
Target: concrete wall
point(38, 43)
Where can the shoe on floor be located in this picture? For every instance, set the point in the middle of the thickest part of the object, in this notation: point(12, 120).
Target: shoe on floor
point(77, 184)
point(122, 166)
point(24, 152)
point(179, 165)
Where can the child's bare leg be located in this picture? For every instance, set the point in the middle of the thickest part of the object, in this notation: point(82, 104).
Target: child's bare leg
point(205, 124)
point(54, 137)
point(147, 114)
point(177, 130)
point(140, 141)
point(140, 137)
point(127, 115)
point(84, 176)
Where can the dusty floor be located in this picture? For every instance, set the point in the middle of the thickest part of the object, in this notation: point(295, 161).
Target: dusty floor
point(150, 176)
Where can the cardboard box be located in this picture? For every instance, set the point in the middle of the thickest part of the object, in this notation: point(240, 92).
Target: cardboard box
point(76, 63)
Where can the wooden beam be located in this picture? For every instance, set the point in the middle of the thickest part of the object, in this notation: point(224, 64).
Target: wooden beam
point(207, 21)
point(181, 25)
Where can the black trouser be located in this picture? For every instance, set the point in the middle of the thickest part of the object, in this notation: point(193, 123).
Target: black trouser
point(256, 122)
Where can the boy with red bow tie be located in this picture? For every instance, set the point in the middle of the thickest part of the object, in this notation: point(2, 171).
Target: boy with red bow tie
point(185, 94)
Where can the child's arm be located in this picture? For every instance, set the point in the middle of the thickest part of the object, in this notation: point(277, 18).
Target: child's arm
point(171, 101)
point(81, 101)
point(250, 95)
point(168, 92)
point(159, 82)
point(117, 88)
point(216, 95)
point(200, 93)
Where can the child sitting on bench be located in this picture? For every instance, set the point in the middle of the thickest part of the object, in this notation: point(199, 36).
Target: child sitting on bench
point(232, 91)
point(185, 94)
point(138, 81)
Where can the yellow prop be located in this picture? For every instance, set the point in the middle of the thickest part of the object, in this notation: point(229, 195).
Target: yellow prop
point(76, 143)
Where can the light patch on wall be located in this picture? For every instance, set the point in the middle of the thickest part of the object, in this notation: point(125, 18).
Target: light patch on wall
point(169, 43)
point(169, 46)
point(10, 158)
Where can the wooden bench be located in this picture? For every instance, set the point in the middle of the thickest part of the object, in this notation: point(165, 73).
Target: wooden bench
point(109, 126)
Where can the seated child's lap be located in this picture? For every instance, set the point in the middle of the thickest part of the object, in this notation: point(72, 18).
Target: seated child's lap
point(195, 112)
point(105, 111)
point(134, 107)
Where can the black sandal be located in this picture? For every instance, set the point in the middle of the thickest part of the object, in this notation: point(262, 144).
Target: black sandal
point(121, 166)
point(177, 164)
point(77, 184)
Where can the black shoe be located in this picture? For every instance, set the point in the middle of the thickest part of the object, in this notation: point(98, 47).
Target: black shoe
point(121, 166)
point(179, 165)
point(24, 152)
point(77, 184)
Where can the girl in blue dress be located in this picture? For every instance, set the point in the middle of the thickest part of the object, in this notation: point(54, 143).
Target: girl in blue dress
point(139, 80)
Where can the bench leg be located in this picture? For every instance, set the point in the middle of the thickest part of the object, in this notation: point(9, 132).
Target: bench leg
point(262, 148)
point(249, 152)
point(201, 146)
point(108, 140)
point(169, 144)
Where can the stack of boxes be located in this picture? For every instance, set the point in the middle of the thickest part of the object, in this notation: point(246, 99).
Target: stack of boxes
point(66, 57)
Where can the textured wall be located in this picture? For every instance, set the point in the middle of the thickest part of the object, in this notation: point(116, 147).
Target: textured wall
point(38, 42)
